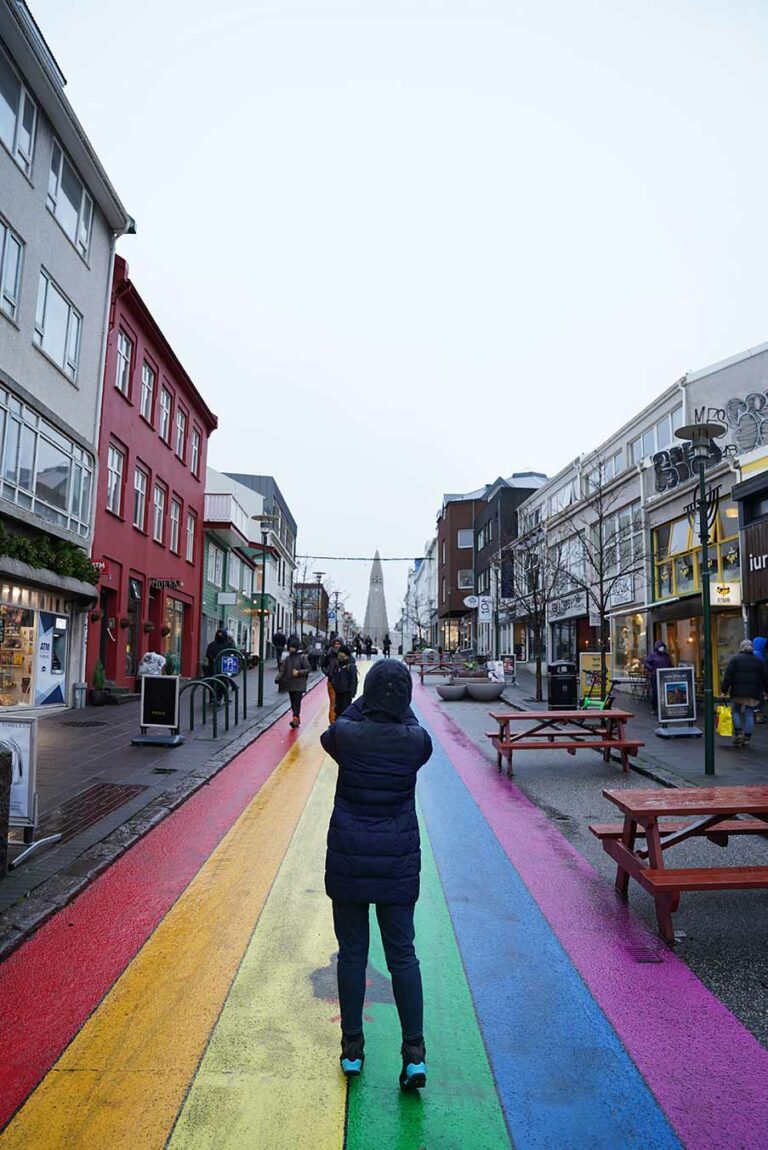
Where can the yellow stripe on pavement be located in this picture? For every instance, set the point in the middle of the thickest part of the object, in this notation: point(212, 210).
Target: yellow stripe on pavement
point(270, 1077)
point(123, 1079)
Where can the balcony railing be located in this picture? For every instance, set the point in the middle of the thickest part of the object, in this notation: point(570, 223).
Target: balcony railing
point(225, 509)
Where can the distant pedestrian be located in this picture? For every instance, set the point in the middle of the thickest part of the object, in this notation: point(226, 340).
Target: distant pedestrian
point(658, 658)
point(328, 666)
point(343, 679)
point(279, 642)
point(386, 646)
point(215, 648)
point(358, 646)
point(374, 856)
point(746, 680)
point(368, 646)
point(292, 677)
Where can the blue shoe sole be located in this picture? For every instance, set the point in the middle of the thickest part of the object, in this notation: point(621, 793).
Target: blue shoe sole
point(351, 1066)
point(414, 1077)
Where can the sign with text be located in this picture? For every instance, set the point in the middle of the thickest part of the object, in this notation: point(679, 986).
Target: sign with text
point(754, 562)
point(160, 701)
point(485, 609)
point(726, 594)
point(677, 694)
point(18, 738)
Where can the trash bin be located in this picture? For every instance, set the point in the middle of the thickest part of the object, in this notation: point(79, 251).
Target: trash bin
point(562, 686)
point(79, 692)
point(6, 766)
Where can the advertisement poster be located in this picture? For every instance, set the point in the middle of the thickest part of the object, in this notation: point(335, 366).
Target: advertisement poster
point(508, 663)
point(51, 667)
point(18, 737)
point(677, 694)
point(160, 701)
point(589, 673)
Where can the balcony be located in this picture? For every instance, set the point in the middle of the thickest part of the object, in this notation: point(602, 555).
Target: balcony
point(233, 525)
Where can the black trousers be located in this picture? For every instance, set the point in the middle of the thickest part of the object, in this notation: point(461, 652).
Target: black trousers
point(343, 700)
point(352, 927)
point(296, 697)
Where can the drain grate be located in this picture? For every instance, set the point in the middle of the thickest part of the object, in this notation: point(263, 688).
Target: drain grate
point(164, 770)
point(84, 723)
point(85, 809)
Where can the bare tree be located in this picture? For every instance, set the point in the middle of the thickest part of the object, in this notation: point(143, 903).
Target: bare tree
point(418, 613)
point(536, 580)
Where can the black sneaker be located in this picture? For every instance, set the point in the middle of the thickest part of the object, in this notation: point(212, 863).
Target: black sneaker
point(352, 1054)
point(413, 1076)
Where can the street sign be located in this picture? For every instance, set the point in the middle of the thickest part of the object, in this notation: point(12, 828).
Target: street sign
point(230, 665)
point(471, 601)
point(485, 609)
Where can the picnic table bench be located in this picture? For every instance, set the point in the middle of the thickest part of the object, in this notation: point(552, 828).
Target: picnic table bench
point(565, 730)
point(711, 812)
point(444, 667)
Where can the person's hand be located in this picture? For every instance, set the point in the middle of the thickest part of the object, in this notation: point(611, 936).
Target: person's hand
point(295, 674)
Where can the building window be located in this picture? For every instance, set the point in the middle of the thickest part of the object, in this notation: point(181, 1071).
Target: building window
point(247, 582)
point(147, 391)
point(195, 452)
point(165, 414)
point(181, 432)
point(233, 575)
point(115, 465)
point(123, 370)
point(11, 249)
point(18, 115)
point(190, 537)
point(658, 437)
point(68, 200)
point(158, 518)
point(464, 538)
point(57, 326)
point(140, 480)
point(442, 590)
point(442, 553)
point(175, 518)
point(216, 566)
point(466, 579)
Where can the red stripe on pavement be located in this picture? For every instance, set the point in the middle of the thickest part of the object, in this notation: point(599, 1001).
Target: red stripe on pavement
point(53, 982)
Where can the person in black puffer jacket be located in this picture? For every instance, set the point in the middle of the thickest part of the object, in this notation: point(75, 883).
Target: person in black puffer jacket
point(746, 679)
point(374, 856)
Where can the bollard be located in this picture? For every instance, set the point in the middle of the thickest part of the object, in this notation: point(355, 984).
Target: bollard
point(6, 763)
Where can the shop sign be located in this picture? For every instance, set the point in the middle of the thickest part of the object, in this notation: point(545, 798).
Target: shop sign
point(226, 598)
point(18, 738)
point(102, 566)
point(568, 605)
point(677, 694)
point(754, 564)
point(170, 584)
point(726, 594)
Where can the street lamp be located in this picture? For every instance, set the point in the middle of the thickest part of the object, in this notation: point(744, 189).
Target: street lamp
point(700, 436)
point(266, 522)
point(318, 576)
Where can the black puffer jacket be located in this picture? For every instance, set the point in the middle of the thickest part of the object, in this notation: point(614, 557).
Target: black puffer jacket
point(746, 677)
point(374, 851)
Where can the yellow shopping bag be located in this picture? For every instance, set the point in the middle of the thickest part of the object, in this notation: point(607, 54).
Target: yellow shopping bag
point(724, 721)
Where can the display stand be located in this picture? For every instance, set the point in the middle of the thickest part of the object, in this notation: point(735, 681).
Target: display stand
point(159, 712)
point(676, 694)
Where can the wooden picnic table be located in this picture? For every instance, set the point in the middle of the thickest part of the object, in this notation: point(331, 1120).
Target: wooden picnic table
point(565, 730)
point(711, 812)
point(444, 667)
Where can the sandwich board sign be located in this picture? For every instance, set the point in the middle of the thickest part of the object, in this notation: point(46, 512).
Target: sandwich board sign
point(159, 711)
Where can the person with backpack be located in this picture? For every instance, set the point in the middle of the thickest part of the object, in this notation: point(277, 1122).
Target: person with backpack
point(292, 677)
point(746, 680)
point(279, 642)
point(342, 678)
point(374, 856)
point(328, 666)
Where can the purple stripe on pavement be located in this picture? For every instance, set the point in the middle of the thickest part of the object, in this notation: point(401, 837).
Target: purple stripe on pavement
point(708, 1073)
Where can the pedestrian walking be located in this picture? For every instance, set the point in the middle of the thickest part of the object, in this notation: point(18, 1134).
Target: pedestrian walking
point(746, 680)
point(659, 657)
point(279, 642)
point(358, 646)
point(292, 677)
point(368, 646)
point(328, 666)
point(219, 644)
point(343, 680)
point(386, 646)
point(374, 857)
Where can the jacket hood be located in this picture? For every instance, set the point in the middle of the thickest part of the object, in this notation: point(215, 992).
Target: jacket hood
point(759, 645)
point(387, 692)
point(659, 645)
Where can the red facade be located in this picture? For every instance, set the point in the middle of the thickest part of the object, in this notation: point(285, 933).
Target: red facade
point(150, 500)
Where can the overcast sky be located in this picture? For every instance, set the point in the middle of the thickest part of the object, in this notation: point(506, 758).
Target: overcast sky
point(405, 246)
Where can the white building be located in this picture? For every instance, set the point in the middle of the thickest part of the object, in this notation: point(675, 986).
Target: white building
point(419, 620)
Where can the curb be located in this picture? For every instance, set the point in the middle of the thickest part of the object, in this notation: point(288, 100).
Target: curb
point(19, 922)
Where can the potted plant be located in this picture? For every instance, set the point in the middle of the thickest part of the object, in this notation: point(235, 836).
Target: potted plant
point(148, 625)
point(165, 631)
point(125, 621)
point(97, 615)
point(97, 696)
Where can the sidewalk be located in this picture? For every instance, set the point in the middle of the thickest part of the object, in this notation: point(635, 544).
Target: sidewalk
point(673, 762)
point(103, 794)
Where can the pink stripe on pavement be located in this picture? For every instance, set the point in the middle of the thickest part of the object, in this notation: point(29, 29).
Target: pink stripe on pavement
point(708, 1073)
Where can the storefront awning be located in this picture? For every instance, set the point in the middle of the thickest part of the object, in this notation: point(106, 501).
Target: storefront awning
point(16, 571)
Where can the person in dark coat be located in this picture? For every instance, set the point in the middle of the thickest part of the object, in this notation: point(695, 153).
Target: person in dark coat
point(358, 646)
point(279, 642)
point(220, 642)
point(343, 680)
point(374, 856)
point(292, 677)
point(386, 646)
point(659, 657)
point(746, 680)
point(328, 666)
point(368, 646)
point(759, 644)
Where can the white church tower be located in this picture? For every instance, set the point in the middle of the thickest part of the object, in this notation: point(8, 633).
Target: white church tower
point(376, 624)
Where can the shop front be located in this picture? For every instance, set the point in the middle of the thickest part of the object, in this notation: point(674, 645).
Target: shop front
point(36, 631)
point(752, 498)
point(570, 631)
point(629, 643)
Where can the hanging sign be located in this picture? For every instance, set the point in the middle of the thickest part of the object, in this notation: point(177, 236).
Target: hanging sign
point(485, 609)
point(18, 738)
point(471, 601)
point(726, 594)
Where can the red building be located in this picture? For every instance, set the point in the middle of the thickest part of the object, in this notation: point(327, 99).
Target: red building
point(151, 494)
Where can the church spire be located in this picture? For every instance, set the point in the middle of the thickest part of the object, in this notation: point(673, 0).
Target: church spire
point(376, 624)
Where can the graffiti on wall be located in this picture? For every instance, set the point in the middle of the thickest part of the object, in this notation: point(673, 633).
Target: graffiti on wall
point(675, 465)
point(745, 416)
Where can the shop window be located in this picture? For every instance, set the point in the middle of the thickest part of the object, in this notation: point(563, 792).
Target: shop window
point(17, 632)
point(628, 644)
point(678, 556)
point(174, 643)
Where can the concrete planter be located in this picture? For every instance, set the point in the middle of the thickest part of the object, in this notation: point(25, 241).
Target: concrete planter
point(452, 693)
point(485, 692)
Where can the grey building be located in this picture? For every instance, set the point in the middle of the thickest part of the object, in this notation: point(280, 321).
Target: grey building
point(59, 219)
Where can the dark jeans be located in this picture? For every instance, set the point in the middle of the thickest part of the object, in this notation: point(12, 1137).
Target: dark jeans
point(342, 701)
point(351, 923)
point(296, 697)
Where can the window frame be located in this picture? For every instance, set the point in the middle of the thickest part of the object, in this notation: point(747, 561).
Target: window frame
point(191, 536)
point(8, 235)
point(125, 363)
point(159, 508)
point(180, 424)
point(195, 440)
point(137, 471)
point(174, 525)
point(465, 585)
point(53, 199)
point(71, 365)
point(465, 531)
point(166, 438)
point(146, 366)
point(20, 157)
point(112, 486)
point(215, 566)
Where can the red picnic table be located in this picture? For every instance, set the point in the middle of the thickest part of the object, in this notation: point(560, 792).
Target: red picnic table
point(711, 812)
point(565, 730)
